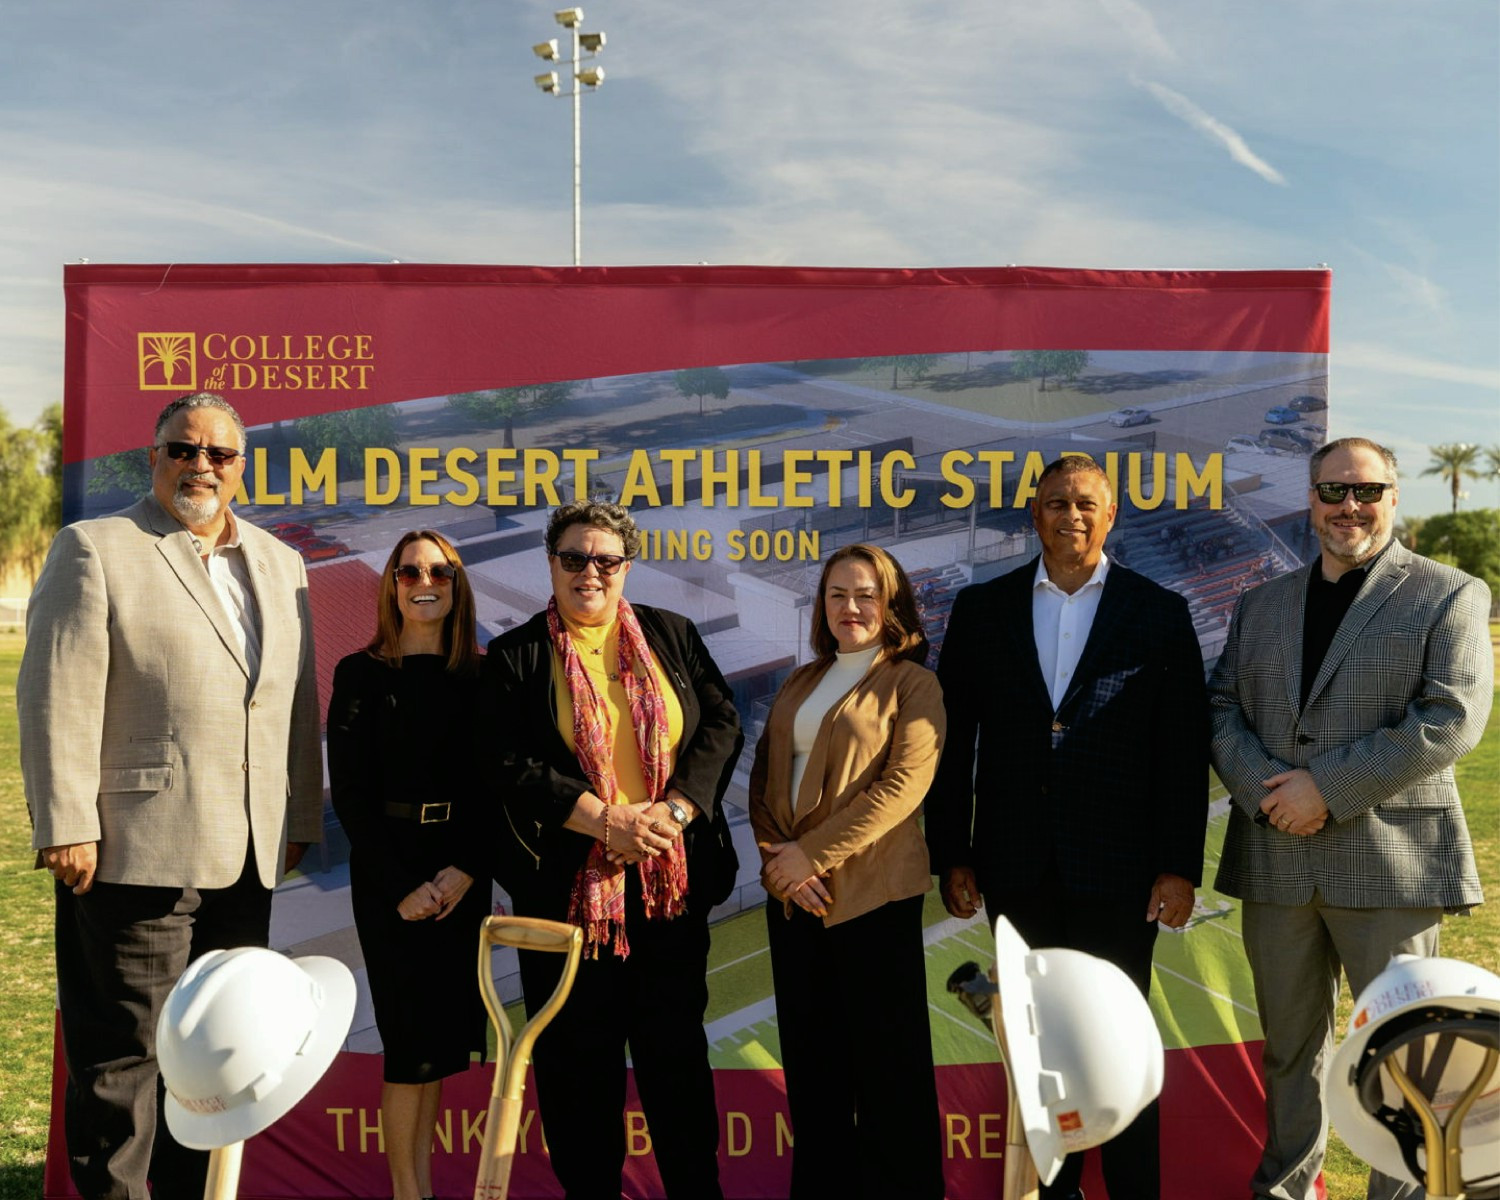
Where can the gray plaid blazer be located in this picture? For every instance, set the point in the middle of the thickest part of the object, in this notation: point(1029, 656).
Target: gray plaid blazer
point(140, 728)
point(1403, 693)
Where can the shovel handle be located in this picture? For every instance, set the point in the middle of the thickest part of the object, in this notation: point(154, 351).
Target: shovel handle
point(530, 933)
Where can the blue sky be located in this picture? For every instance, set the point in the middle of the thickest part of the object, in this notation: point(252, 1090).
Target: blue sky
point(1364, 134)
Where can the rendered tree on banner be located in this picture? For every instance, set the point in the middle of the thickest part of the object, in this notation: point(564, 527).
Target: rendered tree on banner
point(913, 366)
point(127, 470)
point(701, 382)
point(1454, 461)
point(349, 433)
point(506, 406)
point(1042, 364)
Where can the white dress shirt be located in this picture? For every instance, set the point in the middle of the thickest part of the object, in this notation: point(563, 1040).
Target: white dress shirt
point(1061, 625)
point(229, 572)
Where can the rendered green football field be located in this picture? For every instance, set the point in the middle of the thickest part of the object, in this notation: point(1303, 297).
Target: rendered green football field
point(1201, 993)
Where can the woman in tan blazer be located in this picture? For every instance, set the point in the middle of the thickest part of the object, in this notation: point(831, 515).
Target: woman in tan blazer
point(848, 751)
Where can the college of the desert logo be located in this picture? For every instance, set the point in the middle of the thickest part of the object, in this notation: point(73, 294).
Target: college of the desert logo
point(168, 361)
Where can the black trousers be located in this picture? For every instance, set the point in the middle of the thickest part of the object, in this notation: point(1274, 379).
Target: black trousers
point(856, 1053)
point(1117, 931)
point(653, 1001)
point(120, 949)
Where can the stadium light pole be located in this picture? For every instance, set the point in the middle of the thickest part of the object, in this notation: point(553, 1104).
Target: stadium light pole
point(584, 77)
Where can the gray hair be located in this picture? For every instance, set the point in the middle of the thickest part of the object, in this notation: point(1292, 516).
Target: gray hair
point(1350, 443)
point(611, 518)
point(199, 400)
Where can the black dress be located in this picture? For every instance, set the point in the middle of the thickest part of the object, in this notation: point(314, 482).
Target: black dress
point(403, 742)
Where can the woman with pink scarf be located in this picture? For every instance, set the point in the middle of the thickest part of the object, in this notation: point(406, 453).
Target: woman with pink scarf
point(616, 736)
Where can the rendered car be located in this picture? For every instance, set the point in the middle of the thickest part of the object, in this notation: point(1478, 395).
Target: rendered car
point(1129, 416)
point(1291, 440)
point(1243, 443)
point(1308, 404)
point(292, 531)
point(316, 549)
point(1282, 415)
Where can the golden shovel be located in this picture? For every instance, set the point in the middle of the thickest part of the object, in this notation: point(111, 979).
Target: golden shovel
point(513, 1054)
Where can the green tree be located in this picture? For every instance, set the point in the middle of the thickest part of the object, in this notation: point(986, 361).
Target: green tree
point(25, 498)
point(913, 366)
point(1408, 531)
point(701, 382)
point(506, 406)
point(1453, 461)
point(128, 470)
point(49, 429)
point(1468, 540)
point(1044, 364)
point(1492, 460)
point(350, 432)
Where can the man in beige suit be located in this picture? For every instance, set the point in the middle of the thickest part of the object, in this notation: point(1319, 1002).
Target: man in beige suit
point(170, 747)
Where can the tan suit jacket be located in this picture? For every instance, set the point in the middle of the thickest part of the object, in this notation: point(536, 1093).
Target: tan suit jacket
point(140, 726)
point(856, 812)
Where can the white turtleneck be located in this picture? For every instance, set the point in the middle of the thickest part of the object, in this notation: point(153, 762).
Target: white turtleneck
point(840, 678)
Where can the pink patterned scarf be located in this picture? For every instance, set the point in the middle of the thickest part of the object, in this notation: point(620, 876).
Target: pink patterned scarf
point(597, 904)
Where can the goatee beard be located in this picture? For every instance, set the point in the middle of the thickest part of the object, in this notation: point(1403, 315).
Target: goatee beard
point(195, 512)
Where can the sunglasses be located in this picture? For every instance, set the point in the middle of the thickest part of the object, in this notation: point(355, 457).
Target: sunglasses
point(441, 575)
point(573, 562)
point(1365, 493)
point(188, 452)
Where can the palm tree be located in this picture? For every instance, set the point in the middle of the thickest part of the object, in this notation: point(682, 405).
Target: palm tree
point(1454, 460)
point(1492, 460)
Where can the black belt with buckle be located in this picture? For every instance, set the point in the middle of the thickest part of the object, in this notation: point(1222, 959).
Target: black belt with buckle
point(423, 814)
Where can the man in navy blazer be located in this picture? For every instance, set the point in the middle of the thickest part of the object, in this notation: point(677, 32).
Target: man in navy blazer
point(1073, 791)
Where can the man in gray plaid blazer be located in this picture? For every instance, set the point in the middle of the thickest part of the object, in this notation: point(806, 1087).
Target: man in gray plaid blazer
point(170, 748)
point(1343, 698)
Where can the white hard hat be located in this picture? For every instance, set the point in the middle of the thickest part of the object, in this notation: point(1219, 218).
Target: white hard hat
point(1083, 1049)
point(243, 1036)
point(1440, 1016)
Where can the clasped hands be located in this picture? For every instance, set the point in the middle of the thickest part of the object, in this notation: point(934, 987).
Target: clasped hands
point(638, 831)
point(789, 873)
point(1294, 804)
point(437, 897)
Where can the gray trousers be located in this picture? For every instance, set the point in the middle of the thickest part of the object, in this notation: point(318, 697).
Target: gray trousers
point(1296, 952)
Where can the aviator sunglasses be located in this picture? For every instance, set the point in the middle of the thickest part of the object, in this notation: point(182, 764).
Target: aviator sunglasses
point(1365, 493)
point(572, 561)
point(441, 575)
point(188, 452)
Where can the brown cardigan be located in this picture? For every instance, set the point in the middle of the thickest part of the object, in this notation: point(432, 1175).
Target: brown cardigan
point(856, 812)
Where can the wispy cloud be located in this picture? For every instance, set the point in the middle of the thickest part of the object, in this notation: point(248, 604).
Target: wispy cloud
point(1136, 20)
point(1367, 356)
point(1185, 110)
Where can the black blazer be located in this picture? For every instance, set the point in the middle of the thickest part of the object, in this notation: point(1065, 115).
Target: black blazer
point(1112, 788)
point(540, 779)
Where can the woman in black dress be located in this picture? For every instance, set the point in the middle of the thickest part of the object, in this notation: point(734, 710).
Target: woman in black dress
point(402, 761)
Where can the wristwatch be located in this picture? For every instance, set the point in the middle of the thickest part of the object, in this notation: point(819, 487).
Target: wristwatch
point(679, 814)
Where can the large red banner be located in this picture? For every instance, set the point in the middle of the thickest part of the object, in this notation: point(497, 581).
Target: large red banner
point(754, 419)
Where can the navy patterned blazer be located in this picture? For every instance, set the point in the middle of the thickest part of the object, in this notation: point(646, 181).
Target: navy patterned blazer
point(1403, 693)
point(1113, 785)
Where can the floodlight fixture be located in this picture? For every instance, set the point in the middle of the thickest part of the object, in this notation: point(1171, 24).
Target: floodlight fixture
point(569, 18)
point(591, 76)
point(592, 42)
point(547, 49)
point(547, 82)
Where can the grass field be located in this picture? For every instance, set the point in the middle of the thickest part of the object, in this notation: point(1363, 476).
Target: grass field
point(1189, 1012)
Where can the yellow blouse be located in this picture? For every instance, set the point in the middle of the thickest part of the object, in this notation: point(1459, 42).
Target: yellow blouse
point(598, 649)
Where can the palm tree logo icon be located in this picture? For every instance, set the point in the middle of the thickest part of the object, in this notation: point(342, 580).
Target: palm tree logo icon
point(168, 361)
